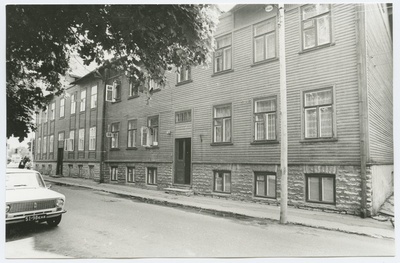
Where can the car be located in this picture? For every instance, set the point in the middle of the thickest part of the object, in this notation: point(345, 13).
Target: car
point(28, 199)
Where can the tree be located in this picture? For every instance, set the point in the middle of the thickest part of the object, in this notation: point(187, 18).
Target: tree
point(41, 39)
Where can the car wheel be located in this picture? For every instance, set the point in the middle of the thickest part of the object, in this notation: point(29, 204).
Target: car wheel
point(54, 221)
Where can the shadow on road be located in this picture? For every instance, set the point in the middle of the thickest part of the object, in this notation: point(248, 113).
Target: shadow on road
point(24, 230)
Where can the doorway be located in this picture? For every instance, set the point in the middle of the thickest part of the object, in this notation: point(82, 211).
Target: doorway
point(183, 161)
point(60, 155)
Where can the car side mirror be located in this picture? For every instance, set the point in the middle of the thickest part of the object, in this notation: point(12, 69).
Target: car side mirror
point(48, 186)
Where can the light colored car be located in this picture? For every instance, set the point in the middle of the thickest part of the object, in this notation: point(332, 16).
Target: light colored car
point(29, 200)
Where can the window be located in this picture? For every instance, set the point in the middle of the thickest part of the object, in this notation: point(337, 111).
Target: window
point(92, 173)
point(93, 97)
point(45, 144)
point(222, 181)
point(92, 139)
point(184, 74)
point(51, 144)
point(130, 174)
point(265, 40)
point(133, 88)
point(115, 135)
point(73, 103)
point(265, 184)
point(151, 175)
point(223, 54)
point(116, 90)
point(132, 131)
point(318, 114)
point(80, 170)
point(183, 116)
point(61, 136)
point(62, 107)
point(70, 169)
point(83, 100)
point(53, 111)
point(114, 173)
point(70, 141)
point(152, 123)
point(81, 140)
point(39, 145)
point(316, 25)
point(45, 115)
point(321, 188)
point(39, 118)
point(153, 85)
point(265, 119)
point(222, 123)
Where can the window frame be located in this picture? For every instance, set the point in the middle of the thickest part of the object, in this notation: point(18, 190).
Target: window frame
point(133, 88)
point(62, 108)
point(132, 168)
point(150, 132)
point(39, 145)
point(315, 25)
point(320, 176)
point(155, 175)
point(114, 173)
point(51, 143)
point(223, 49)
point(117, 90)
point(264, 36)
point(266, 174)
point(73, 103)
point(214, 142)
point(183, 120)
point(255, 100)
point(187, 73)
point(132, 127)
point(44, 149)
point(52, 111)
point(93, 97)
point(223, 172)
point(114, 142)
point(81, 139)
point(82, 101)
point(318, 128)
point(92, 138)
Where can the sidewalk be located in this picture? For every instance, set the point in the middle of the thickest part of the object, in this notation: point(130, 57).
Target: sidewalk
point(323, 220)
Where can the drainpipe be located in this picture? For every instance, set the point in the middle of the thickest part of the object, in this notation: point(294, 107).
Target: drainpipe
point(103, 125)
point(363, 103)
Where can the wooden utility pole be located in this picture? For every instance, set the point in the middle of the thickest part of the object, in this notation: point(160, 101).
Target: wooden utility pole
point(283, 107)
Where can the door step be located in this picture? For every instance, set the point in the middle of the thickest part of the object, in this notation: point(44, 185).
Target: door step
point(178, 191)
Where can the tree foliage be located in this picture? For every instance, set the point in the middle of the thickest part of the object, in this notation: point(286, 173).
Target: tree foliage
point(41, 38)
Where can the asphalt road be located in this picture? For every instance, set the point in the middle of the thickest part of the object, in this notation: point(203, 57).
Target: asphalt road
point(103, 225)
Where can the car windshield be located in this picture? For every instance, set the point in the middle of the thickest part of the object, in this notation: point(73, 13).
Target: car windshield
point(24, 180)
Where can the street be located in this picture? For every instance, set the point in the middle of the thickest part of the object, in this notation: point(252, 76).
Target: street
point(103, 225)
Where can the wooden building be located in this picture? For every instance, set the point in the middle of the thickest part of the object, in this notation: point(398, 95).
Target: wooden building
point(215, 130)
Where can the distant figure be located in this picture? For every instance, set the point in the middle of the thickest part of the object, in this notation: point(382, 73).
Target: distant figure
point(21, 164)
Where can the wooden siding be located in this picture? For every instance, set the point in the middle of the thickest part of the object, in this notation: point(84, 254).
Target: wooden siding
point(380, 85)
point(332, 66)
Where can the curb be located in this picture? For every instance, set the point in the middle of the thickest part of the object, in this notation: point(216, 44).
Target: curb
point(215, 212)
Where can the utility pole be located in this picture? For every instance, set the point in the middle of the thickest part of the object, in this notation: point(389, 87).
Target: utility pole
point(283, 107)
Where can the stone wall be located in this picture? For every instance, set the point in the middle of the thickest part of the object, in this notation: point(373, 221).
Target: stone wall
point(81, 170)
point(347, 181)
point(164, 174)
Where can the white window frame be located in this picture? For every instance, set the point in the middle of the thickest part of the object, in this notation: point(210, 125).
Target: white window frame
point(321, 198)
point(132, 133)
point(73, 103)
point(92, 138)
point(130, 177)
point(70, 141)
point(264, 36)
point(51, 143)
point(115, 127)
point(266, 115)
point(114, 173)
point(221, 52)
point(81, 140)
point(44, 149)
point(39, 145)
point(184, 74)
point(311, 24)
point(62, 107)
point(93, 97)
point(224, 120)
point(83, 101)
point(224, 179)
point(151, 180)
point(53, 111)
point(266, 176)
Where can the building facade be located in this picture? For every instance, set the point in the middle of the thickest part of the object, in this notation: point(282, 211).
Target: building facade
point(216, 130)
